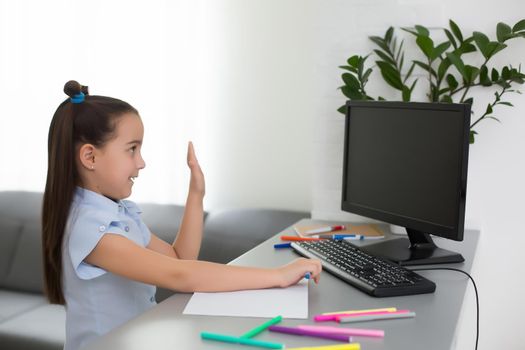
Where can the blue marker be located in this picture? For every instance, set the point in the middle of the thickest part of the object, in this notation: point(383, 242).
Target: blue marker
point(307, 276)
point(282, 245)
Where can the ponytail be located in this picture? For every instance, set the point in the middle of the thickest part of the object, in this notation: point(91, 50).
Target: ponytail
point(79, 119)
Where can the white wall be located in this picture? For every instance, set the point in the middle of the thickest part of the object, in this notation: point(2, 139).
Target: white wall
point(253, 83)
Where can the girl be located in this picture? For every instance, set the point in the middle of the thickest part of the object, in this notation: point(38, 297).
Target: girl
point(100, 260)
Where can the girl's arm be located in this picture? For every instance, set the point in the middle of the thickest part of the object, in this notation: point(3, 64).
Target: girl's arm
point(123, 257)
point(188, 241)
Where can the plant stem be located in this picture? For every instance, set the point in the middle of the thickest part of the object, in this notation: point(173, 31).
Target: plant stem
point(492, 105)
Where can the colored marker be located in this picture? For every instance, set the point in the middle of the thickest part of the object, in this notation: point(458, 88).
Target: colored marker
point(365, 318)
point(253, 332)
point(325, 229)
point(335, 317)
point(388, 309)
point(357, 237)
point(352, 346)
point(315, 334)
point(238, 340)
point(307, 276)
point(296, 238)
point(378, 333)
point(282, 245)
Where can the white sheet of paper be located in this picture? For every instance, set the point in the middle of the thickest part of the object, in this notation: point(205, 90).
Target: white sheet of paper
point(291, 302)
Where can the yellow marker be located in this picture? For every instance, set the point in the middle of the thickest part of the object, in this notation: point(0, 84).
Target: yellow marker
point(387, 309)
point(351, 346)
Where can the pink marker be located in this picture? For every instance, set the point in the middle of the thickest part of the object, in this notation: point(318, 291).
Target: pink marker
point(335, 317)
point(398, 312)
point(378, 333)
point(325, 229)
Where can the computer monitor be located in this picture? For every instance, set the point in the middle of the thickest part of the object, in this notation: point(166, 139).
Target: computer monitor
point(405, 163)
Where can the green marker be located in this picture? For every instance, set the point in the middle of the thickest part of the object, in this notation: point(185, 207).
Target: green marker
point(253, 332)
point(237, 340)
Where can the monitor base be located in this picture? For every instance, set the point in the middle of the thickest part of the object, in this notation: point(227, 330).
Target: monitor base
point(402, 252)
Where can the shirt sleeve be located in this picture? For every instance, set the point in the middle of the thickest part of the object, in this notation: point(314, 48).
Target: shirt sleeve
point(85, 234)
point(135, 211)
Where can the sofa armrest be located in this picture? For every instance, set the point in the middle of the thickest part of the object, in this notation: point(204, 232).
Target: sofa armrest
point(230, 233)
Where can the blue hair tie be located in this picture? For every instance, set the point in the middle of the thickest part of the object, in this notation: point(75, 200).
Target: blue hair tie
point(78, 98)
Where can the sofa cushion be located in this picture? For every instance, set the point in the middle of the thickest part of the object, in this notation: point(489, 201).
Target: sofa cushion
point(9, 235)
point(26, 270)
point(21, 205)
point(162, 219)
point(230, 233)
point(14, 303)
point(41, 328)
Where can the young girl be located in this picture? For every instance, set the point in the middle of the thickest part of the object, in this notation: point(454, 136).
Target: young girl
point(100, 260)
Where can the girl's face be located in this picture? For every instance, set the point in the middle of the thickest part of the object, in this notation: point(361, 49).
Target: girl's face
point(118, 162)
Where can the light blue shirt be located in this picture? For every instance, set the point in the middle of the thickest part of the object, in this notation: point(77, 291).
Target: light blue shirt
point(97, 300)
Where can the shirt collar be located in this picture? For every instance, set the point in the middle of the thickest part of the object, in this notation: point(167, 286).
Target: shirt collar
point(92, 198)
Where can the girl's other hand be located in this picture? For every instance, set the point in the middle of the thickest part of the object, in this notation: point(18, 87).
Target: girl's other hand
point(295, 271)
point(197, 185)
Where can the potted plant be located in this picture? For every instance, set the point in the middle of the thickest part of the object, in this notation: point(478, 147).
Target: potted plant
point(449, 78)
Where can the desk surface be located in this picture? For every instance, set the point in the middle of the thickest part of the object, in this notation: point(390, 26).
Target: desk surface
point(165, 327)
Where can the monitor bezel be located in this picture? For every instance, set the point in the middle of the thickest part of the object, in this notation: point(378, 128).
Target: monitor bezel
point(453, 233)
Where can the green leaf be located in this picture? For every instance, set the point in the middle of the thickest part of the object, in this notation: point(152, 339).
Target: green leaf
point(351, 93)
point(505, 73)
point(482, 41)
point(379, 42)
point(443, 67)
point(455, 29)
point(409, 72)
point(506, 103)
point(422, 30)
point(388, 34)
point(465, 48)
point(385, 57)
point(469, 101)
point(471, 136)
point(351, 81)
point(405, 92)
point(365, 76)
point(496, 119)
point(472, 73)
point(452, 82)
point(451, 38)
point(489, 109)
point(458, 63)
point(503, 31)
point(438, 51)
point(494, 47)
point(409, 30)
point(426, 67)
point(354, 61)
point(342, 109)
point(484, 76)
point(494, 75)
point(348, 68)
point(380, 98)
point(519, 26)
point(390, 74)
point(446, 99)
point(426, 45)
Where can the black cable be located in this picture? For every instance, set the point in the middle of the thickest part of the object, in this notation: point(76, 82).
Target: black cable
point(475, 290)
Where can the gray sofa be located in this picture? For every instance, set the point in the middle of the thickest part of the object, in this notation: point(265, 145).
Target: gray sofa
point(28, 321)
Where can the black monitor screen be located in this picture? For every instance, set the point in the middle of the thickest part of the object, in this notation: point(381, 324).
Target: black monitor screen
point(406, 164)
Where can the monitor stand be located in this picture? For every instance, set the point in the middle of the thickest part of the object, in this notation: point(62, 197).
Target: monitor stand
point(418, 249)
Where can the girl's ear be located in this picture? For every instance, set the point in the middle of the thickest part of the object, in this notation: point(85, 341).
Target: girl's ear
point(87, 156)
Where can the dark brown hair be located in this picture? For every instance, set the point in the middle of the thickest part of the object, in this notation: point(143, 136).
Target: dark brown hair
point(91, 121)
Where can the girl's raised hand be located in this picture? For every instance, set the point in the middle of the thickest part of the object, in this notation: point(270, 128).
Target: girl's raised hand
point(295, 271)
point(197, 185)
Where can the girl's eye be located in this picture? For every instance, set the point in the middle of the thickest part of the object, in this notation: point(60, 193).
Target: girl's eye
point(133, 149)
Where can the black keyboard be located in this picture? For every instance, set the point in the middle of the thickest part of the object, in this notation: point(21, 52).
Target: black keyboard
point(373, 275)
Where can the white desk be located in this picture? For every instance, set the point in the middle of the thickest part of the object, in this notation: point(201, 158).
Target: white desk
point(165, 327)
